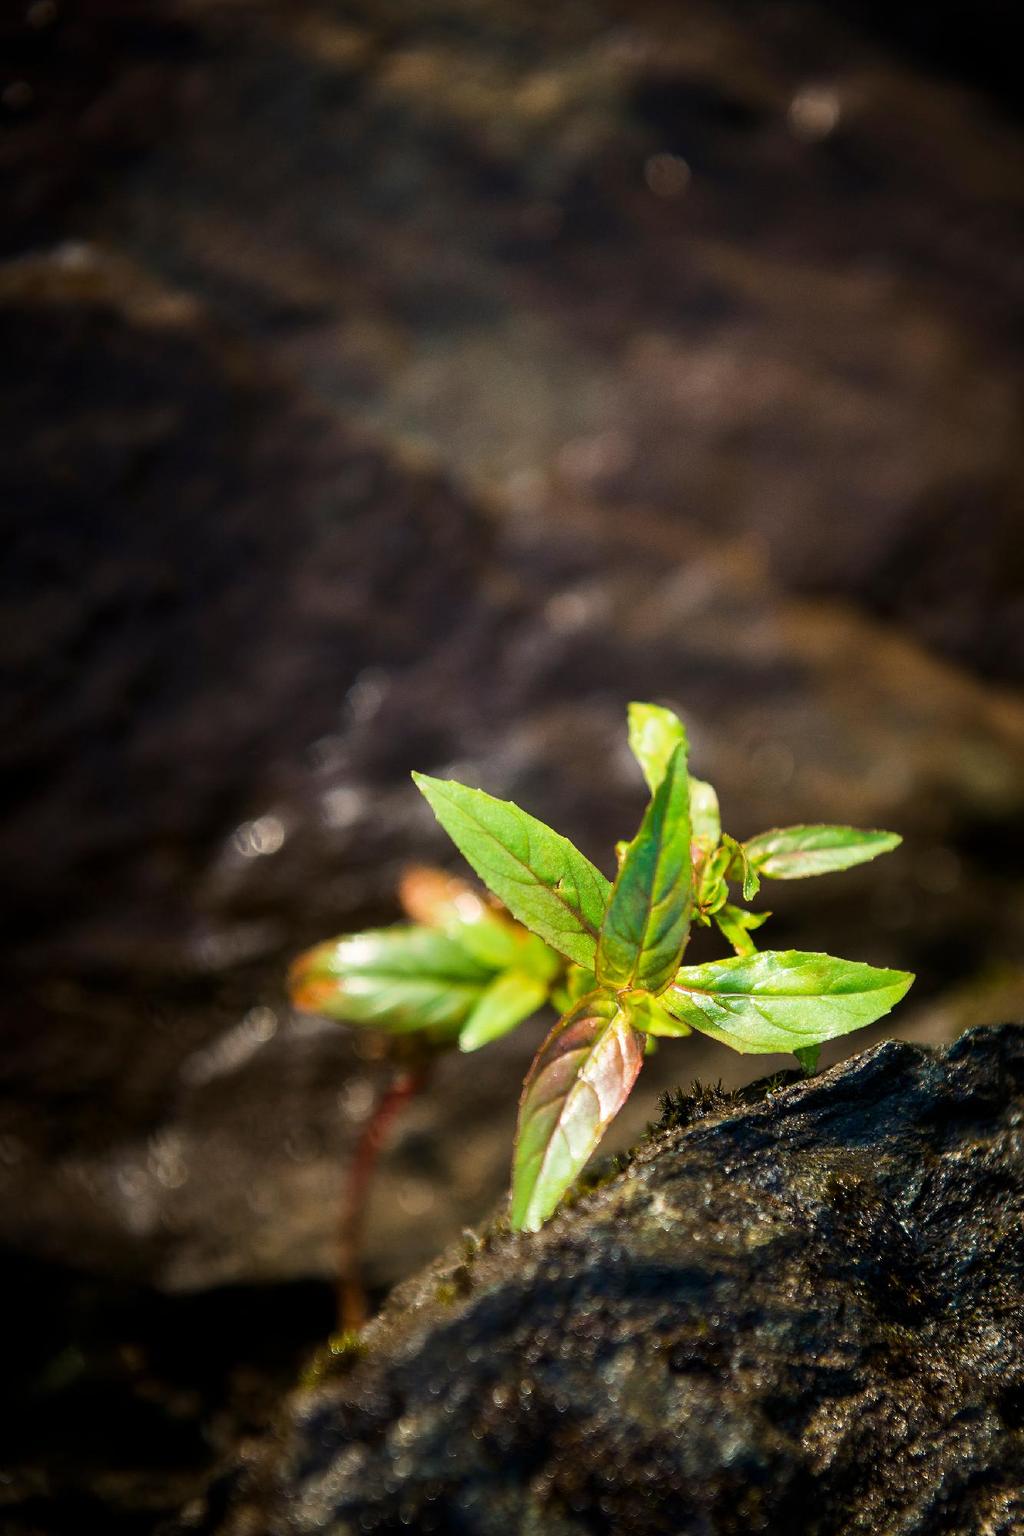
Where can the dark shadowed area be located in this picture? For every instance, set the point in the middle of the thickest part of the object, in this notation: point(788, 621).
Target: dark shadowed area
point(409, 384)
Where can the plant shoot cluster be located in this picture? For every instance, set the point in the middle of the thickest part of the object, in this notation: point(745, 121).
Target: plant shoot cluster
point(607, 955)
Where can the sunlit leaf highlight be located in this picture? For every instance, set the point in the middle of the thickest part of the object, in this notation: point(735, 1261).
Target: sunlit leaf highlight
point(782, 1000)
point(794, 853)
point(579, 1080)
point(542, 879)
point(648, 918)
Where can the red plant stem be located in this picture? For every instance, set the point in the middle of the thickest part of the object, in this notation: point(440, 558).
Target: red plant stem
point(404, 1086)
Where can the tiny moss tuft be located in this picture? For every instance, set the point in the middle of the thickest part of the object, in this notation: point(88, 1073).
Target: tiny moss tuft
point(679, 1109)
point(335, 1358)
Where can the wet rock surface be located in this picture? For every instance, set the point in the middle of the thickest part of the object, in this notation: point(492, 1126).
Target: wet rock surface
point(799, 1309)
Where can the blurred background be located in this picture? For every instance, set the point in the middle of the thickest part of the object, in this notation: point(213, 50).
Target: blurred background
point(411, 384)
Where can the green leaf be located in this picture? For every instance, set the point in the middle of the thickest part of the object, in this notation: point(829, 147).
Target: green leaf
point(736, 924)
point(654, 734)
point(579, 1080)
point(793, 853)
point(440, 900)
point(705, 818)
point(782, 1001)
point(508, 1000)
point(537, 873)
point(538, 960)
point(576, 984)
point(498, 942)
point(648, 918)
point(399, 979)
point(807, 1056)
point(712, 891)
point(741, 868)
point(649, 1016)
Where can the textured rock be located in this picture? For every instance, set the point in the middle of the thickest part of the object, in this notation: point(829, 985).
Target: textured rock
point(752, 272)
point(798, 1310)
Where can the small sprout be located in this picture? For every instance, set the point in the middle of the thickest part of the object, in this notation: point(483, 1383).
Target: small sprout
point(607, 956)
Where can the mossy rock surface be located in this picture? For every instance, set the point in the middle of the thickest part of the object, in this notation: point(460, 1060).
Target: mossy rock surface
point(799, 1310)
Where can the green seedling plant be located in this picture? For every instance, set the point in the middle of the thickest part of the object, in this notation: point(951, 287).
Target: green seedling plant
point(607, 954)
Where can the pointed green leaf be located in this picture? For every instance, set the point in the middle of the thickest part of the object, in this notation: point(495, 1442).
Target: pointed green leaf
point(508, 1000)
point(579, 1080)
point(736, 924)
point(705, 818)
point(648, 918)
point(654, 734)
point(807, 1056)
point(740, 867)
point(398, 979)
point(537, 873)
point(782, 1001)
point(793, 853)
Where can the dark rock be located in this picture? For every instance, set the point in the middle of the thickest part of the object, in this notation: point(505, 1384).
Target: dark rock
point(114, 1396)
point(449, 222)
point(796, 1310)
point(199, 567)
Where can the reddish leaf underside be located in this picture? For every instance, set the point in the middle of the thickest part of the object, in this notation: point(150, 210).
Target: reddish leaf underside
point(579, 1080)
